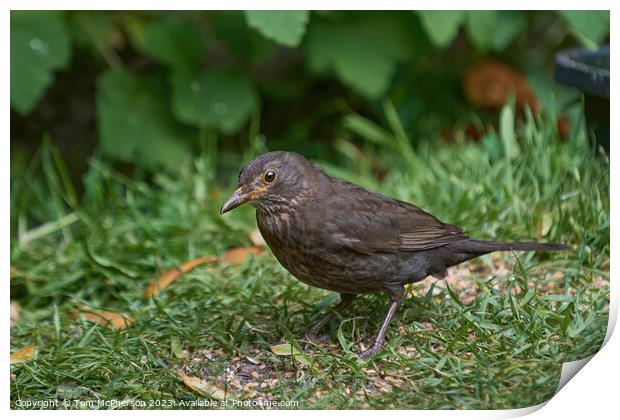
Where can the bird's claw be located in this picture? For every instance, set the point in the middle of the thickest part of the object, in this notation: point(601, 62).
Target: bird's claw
point(369, 352)
point(314, 338)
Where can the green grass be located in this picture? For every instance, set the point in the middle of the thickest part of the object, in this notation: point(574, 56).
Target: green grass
point(501, 349)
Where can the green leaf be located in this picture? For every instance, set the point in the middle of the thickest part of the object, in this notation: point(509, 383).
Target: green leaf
point(559, 298)
point(91, 29)
point(441, 26)
point(589, 26)
point(510, 23)
point(507, 132)
point(544, 87)
point(134, 124)
point(284, 27)
point(175, 43)
point(481, 27)
point(368, 130)
point(367, 69)
point(39, 46)
point(175, 347)
point(232, 31)
point(287, 349)
point(57, 325)
point(343, 341)
point(214, 98)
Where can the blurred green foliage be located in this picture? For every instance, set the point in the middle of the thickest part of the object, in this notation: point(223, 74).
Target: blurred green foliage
point(283, 27)
point(169, 84)
point(39, 46)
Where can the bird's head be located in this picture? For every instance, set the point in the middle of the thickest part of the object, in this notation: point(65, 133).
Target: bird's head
point(274, 180)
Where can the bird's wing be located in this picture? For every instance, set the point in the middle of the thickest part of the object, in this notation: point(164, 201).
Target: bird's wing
point(367, 223)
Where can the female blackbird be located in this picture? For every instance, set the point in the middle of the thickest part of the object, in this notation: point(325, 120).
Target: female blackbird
point(338, 236)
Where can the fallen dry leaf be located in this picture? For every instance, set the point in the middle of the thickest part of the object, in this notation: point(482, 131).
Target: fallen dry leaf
point(202, 387)
point(563, 127)
point(191, 264)
point(22, 356)
point(170, 276)
point(107, 318)
point(236, 256)
point(253, 360)
point(15, 308)
point(490, 83)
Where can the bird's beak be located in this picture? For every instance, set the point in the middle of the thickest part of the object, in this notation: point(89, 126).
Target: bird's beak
point(237, 198)
point(240, 197)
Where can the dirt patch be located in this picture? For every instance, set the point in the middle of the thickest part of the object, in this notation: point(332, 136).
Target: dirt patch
point(461, 280)
point(259, 375)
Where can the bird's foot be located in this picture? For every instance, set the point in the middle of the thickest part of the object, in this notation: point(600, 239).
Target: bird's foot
point(369, 352)
point(314, 338)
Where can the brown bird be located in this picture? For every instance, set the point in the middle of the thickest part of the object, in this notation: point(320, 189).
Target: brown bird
point(338, 236)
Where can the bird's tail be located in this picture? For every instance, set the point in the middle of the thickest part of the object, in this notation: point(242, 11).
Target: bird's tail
point(467, 249)
point(482, 247)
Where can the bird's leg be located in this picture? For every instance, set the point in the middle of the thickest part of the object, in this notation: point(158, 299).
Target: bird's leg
point(395, 298)
point(312, 334)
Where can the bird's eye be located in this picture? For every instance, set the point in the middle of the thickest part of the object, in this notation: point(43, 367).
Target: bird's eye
point(269, 176)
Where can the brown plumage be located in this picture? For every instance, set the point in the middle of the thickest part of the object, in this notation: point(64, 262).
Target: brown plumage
point(338, 236)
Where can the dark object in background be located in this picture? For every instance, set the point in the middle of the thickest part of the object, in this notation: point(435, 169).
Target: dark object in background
point(588, 71)
point(338, 236)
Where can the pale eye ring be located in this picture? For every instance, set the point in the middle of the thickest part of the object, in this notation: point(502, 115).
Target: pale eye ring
point(269, 176)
